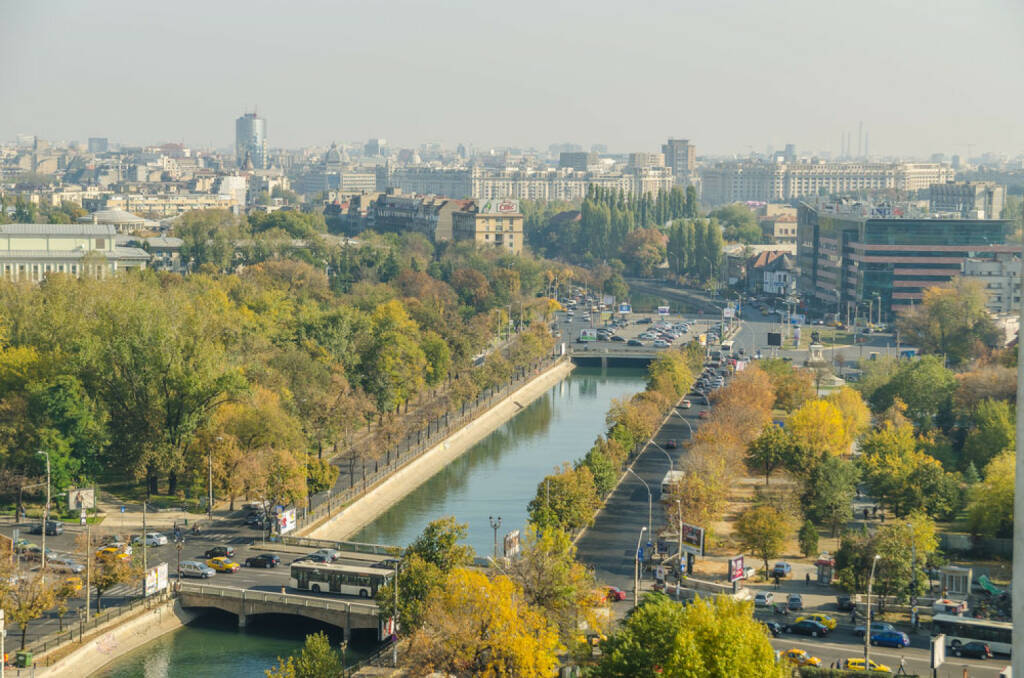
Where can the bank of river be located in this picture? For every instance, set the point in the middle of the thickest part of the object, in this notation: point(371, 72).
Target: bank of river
point(499, 475)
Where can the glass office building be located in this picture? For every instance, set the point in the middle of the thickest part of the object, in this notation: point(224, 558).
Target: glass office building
point(251, 140)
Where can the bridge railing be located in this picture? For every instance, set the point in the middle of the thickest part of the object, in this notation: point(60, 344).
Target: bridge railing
point(249, 595)
point(350, 546)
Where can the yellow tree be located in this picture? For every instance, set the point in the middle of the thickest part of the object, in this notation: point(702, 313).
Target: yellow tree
point(483, 626)
point(991, 506)
point(27, 599)
point(817, 426)
point(855, 412)
point(762, 530)
point(109, 570)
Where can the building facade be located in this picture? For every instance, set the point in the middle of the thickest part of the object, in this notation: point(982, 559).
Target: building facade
point(251, 140)
point(497, 223)
point(681, 157)
point(999, 276)
point(968, 199)
point(32, 251)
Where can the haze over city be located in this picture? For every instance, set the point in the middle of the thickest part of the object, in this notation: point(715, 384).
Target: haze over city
point(923, 77)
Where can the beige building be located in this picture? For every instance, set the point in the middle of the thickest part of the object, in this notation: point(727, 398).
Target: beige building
point(1000, 278)
point(31, 251)
point(498, 223)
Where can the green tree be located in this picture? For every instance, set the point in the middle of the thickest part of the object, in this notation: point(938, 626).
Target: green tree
point(990, 511)
point(808, 538)
point(565, 500)
point(769, 451)
point(417, 581)
point(762, 531)
point(994, 431)
point(952, 320)
point(317, 659)
point(738, 223)
point(828, 492)
point(925, 386)
point(603, 469)
point(439, 545)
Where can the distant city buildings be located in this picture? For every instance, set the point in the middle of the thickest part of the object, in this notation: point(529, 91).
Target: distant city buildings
point(999, 277)
point(497, 223)
point(98, 145)
point(251, 141)
point(681, 158)
point(968, 199)
point(28, 252)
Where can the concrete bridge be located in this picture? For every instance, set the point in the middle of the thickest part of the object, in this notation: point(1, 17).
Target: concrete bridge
point(602, 354)
point(244, 603)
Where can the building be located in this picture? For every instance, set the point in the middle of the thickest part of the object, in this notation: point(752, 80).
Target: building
point(427, 214)
point(644, 160)
point(122, 221)
point(580, 162)
point(375, 147)
point(967, 199)
point(251, 140)
point(98, 145)
point(490, 222)
point(681, 157)
point(32, 251)
point(779, 229)
point(772, 272)
point(853, 256)
point(1000, 278)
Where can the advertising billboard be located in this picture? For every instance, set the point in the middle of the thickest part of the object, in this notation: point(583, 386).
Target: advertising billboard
point(625, 308)
point(286, 521)
point(156, 579)
point(702, 339)
point(498, 206)
point(588, 335)
point(728, 313)
point(735, 569)
point(775, 338)
point(512, 544)
point(663, 310)
point(693, 539)
point(84, 498)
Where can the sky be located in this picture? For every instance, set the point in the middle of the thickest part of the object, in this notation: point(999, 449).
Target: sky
point(924, 76)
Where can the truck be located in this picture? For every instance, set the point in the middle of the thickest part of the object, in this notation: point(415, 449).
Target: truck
point(670, 481)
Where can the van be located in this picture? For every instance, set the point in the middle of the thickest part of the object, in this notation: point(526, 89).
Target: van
point(194, 568)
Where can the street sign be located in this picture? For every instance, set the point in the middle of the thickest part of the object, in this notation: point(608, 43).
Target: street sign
point(663, 310)
point(122, 509)
point(938, 650)
point(693, 539)
point(640, 554)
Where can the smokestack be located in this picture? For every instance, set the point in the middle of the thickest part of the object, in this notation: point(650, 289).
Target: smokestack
point(860, 139)
point(867, 137)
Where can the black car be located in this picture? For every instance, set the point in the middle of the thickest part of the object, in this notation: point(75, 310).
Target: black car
point(312, 558)
point(219, 552)
point(774, 628)
point(808, 627)
point(844, 603)
point(263, 560)
point(53, 528)
point(973, 649)
point(616, 337)
point(643, 321)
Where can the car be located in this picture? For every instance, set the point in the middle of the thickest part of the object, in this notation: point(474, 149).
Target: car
point(330, 554)
point(876, 627)
point(219, 552)
point(73, 584)
point(312, 558)
point(807, 627)
point(973, 649)
point(263, 560)
point(844, 602)
point(795, 602)
point(764, 598)
point(194, 568)
point(781, 569)
point(890, 638)
point(671, 444)
point(823, 619)
point(256, 519)
point(614, 593)
point(798, 657)
point(617, 338)
point(152, 539)
point(749, 572)
point(704, 414)
point(685, 405)
point(65, 564)
point(23, 545)
point(634, 342)
point(857, 664)
point(112, 551)
point(774, 628)
point(661, 343)
point(222, 564)
point(644, 321)
point(53, 528)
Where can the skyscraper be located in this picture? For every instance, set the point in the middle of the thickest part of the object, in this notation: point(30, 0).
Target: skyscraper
point(681, 156)
point(251, 140)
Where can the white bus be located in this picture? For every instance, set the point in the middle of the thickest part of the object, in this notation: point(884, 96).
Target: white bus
point(727, 347)
point(671, 481)
point(333, 578)
point(961, 630)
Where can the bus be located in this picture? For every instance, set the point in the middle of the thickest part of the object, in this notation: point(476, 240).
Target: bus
point(727, 346)
point(961, 630)
point(333, 578)
point(671, 481)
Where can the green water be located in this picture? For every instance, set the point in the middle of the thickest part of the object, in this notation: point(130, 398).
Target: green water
point(211, 647)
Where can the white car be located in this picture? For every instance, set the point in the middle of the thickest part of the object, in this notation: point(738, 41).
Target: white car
point(661, 343)
point(152, 539)
point(330, 555)
point(764, 598)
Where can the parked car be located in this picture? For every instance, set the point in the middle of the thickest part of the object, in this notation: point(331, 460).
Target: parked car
point(263, 560)
point(890, 638)
point(808, 627)
point(64, 564)
point(329, 554)
point(857, 664)
point(844, 602)
point(781, 569)
point(795, 602)
point(614, 593)
point(764, 598)
point(194, 568)
point(151, 539)
point(749, 572)
point(876, 627)
point(798, 657)
point(973, 649)
point(661, 343)
point(219, 552)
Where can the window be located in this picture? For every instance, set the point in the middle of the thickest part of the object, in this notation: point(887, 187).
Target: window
point(101, 243)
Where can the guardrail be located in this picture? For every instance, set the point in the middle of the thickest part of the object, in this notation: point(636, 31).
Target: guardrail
point(248, 595)
point(349, 546)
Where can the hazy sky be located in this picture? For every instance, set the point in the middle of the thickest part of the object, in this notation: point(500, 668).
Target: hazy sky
point(923, 75)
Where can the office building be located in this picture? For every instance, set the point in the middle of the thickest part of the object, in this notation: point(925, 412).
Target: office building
point(98, 145)
point(853, 256)
point(967, 199)
point(681, 156)
point(31, 251)
point(251, 141)
point(375, 147)
point(579, 162)
point(430, 215)
point(498, 223)
point(999, 276)
point(645, 160)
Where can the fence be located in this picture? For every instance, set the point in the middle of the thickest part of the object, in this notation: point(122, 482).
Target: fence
point(415, 444)
point(291, 599)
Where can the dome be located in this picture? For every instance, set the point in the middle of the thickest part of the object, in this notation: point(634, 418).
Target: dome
point(333, 156)
point(114, 216)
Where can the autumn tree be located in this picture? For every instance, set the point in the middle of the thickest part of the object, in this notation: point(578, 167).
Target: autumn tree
point(26, 600)
point(990, 511)
point(317, 659)
point(792, 387)
point(818, 426)
point(565, 500)
point(952, 320)
point(109, 570)
point(925, 386)
point(855, 412)
point(762, 530)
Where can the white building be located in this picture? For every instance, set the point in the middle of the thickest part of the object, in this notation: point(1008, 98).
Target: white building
point(31, 251)
point(1000, 278)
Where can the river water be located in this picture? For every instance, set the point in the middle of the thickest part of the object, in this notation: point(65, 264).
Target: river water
point(496, 477)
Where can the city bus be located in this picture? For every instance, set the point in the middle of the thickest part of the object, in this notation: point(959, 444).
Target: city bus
point(333, 578)
point(961, 630)
point(727, 347)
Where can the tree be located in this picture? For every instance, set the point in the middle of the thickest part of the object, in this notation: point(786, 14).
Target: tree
point(828, 494)
point(792, 387)
point(717, 638)
point(738, 224)
point(762, 531)
point(565, 500)
point(483, 626)
point(769, 451)
point(855, 412)
point(108, 571)
point(808, 538)
point(990, 511)
point(439, 545)
point(554, 582)
point(27, 599)
point(818, 426)
point(994, 431)
point(417, 581)
point(925, 386)
point(952, 320)
point(604, 470)
point(317, 659)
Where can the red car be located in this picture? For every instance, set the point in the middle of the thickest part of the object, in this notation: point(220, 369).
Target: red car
point(704, 414)
point(614, 593)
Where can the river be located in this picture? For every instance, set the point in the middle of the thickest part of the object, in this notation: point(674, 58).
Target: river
point(496, 477)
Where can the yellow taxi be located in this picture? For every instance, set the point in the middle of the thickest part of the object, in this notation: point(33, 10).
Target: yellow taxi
point(857, 664)
point(823, 619)
point(73, 583)
point(111, 551)
point(222, 564)
point(798, 657)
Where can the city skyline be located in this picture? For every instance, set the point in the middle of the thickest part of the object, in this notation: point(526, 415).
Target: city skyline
point(731, 79)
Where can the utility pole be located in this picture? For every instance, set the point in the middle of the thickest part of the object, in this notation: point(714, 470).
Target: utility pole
point(209, 507)
point(394, 621)
point(88, 566)
point(867, 626)
point(46, 509)
point(144, 545)
point(1017, 603)
point(495, 524)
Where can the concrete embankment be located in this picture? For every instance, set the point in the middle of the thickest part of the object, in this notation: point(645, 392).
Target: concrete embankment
point(107, 644)
point(366, 509)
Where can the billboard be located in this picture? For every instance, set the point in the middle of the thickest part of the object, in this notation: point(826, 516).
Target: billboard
point(498, 206)
point(663, 310)
point(702, 339)
point(156, 579)
point(606, 315)
point(728, 312)
point(588, 335)
point(84, 498)
point(286, 521)
point(775, 338)
point(625, 308)
point(608, 300)
point(512, 544)
point(735, 569)
point(693, 539)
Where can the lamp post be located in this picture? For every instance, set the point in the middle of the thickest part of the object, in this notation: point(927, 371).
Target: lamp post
point(649, 501)
point(684, 420)
point(867, 626)
point(46, 508)
point(636, 568)
point(671, 464)
point(209, 498)
point(495, 524)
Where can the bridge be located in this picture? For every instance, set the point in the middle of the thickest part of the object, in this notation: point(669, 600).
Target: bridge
point(606, 354)
point(245, 603)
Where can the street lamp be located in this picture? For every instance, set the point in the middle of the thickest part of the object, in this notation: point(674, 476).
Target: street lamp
point(649, 501)
point(684, 420)
point(495, 524)
point(671, 464)
point(636, 568)
point(867, 626)
point(46, 508)
point(209, 506)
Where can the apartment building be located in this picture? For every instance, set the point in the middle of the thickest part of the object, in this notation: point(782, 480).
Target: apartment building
point(968, 199)
point(999, 276)
point(498, 223)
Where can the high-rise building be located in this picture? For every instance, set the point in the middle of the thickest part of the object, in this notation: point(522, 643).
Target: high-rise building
point(969, 199)
point(681, 156)
point(98, 145)
point(578, 161)
point(251, 140)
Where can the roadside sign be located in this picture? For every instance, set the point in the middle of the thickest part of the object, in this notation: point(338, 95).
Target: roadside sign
point(663, 310)
point(625, 308)
point(938, 650)
point(122, 509)
point(640, 554)
point(735, 569)
point(693, 540)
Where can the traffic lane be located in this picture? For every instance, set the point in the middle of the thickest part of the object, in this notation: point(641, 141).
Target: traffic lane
point(917, 660)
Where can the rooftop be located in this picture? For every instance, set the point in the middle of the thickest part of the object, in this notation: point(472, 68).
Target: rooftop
point(85, 230)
